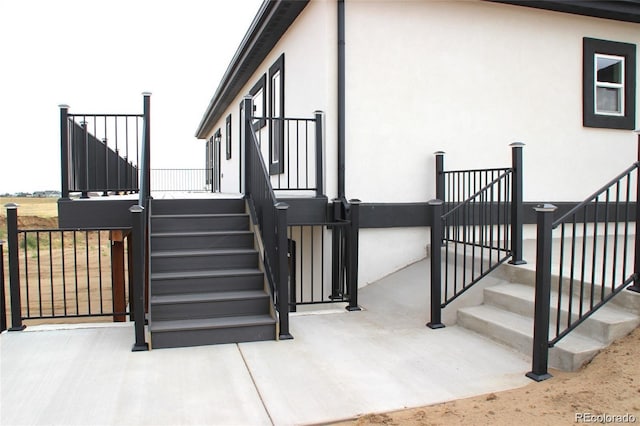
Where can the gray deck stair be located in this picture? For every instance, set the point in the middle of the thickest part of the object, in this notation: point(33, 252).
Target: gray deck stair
point(206, 285)
point(506, 316)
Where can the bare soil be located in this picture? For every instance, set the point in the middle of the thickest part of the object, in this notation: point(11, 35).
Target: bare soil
point(608, 386)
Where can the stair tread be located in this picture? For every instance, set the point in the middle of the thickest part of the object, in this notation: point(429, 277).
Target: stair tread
point(199, 233)
point(208, 296)
point(606, 314)
point(573, 342)
point(201, 252)
point(211, 323)
point(196, 215)
point(212, 273)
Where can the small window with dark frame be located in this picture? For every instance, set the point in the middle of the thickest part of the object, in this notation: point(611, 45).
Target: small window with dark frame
point(609, 84)
point(258, 95)
point(228, 136)
point(276, 107)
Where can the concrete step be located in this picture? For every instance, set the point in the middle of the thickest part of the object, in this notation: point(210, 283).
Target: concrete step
point(201, 240)
point(516, 331)
point(200, 260)
point(209, 305)
point(605, 325)
point(199, 222)
point(184, 282)
point(210, 331)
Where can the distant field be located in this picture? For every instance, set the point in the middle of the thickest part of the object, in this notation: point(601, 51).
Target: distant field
point(40, 207)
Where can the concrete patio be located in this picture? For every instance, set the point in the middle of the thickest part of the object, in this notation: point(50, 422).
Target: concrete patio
point(340, 364)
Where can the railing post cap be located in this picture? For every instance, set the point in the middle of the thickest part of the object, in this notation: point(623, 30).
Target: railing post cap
point(282, 205)
point(517, 144)
point(11, 206)
point(247, 98)
point(318, 112)
point(355, 201)
point(435, 202)
point(63, 106)
point(136, 208)
point(439, 153)
point(146, 93)
point(545, 208)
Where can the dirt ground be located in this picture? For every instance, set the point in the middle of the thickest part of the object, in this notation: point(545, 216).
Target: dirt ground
point(608, 386)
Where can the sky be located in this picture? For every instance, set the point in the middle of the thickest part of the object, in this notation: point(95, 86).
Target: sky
point(98, 56)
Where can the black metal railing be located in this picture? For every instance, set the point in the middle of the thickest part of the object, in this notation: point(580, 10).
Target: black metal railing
point(477, 224)
point(100, 153)
point(181, 180)
point(300, 141)
point(596, 256)
point(270, 216)
point(57, 273)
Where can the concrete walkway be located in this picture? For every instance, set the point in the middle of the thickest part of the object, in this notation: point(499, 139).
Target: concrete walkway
point(339, 365)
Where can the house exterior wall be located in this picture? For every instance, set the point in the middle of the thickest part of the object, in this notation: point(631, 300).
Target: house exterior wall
point(310, 81)
point(468, 78)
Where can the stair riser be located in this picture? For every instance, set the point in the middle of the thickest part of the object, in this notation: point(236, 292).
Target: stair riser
point(593, 327)
point(204, 262)
point(184, 338)
point(190, 224)
point(210, 309)
point(197, 206)
point(204, 285)
point(202, 242)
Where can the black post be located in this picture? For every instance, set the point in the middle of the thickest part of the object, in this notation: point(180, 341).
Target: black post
point(636, 262)
point(543, 293)
point(146, 143)
point(3, 307)
point(436, 264)
point(336, 252)
point(439, 175)
point(247, 140)
point(283, 270)
point(83, 158)
point(139, 263)
point(354, 231)
point(14, 268)
point(516, 205)
point(319, 153)
point(64, 149)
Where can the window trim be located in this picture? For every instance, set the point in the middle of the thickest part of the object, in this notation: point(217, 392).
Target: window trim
point(591, 118)
point(228, 136)
point(261, 84)
point(276, 131)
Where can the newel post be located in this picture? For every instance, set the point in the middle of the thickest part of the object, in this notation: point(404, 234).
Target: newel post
point(283, 270)
point(247, 108)
point(64, 149)
point(146, 144)
point(3, 308)
point(540, 360)
point(516, 205)
point(139, 261)
point(435, 207)
point(352, 254)
point(14, 267)
point(636, 263)
point(439, 175)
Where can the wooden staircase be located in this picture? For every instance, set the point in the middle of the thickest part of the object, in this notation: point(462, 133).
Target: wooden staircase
point(206, 285)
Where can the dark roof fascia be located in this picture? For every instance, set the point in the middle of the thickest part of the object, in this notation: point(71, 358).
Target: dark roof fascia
point(618, 10)
point(272, 20)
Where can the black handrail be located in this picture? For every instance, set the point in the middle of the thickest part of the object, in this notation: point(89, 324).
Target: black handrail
point(595, 274)
point(271, 218)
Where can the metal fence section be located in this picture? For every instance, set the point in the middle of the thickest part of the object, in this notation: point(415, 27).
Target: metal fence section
point(476, 225)
point(596, 257)
point(63, 274)
point(181, 180)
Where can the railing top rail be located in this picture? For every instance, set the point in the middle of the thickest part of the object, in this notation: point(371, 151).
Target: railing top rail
point(596, 194)
point(497, 169)
point(78, 115)
point(481, 190)
point(284, 118)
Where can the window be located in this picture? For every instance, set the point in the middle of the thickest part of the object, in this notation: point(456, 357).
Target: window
point(228, 136)
point(259, 99)
point(609, 84)
point(276, 107)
